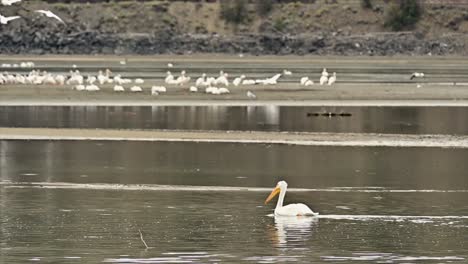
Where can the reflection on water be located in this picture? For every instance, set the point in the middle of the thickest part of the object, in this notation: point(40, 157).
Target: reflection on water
point(405, 120)
point(292, 232)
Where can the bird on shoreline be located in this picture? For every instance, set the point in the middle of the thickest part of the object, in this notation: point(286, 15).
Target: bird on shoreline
point(9, 2)
point(332, 79)
point(4, 20)
point(48, 13)
point(251, 95)
point(417, 75)
point(298, 209)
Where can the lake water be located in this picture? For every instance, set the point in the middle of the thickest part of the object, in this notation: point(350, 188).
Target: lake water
point(70, 202)
point(397, 120)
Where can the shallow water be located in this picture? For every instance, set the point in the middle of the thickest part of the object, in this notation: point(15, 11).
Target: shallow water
point(396, 120)
point(376, 205)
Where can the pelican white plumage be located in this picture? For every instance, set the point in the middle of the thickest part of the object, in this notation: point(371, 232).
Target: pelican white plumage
point(193, 89)
point(170, 65)
point(324, 79)
point(287, 72)
point(159, 89)
point(9, 2)
point(417, 75)
point(92, 88)
point(290, 209)
point(304, 80)
point(139, 81)
point(332, 79)
point(222, 79)
point(324, 72)
point(201, 81)
point(269, 81)
point(136, 89)
point(119, 88)
point(4, 20)
point(238, 80)
point(48, 13)
point(251, 95)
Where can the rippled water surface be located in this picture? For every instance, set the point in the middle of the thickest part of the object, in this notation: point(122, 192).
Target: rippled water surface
point(397, 120)
point(68, 202)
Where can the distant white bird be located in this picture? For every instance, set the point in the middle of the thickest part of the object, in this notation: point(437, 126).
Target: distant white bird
point(193, 89)
point(332, 79)
point(251, 95)
point(4, 20)
point(139, 81)
point(48, 13)
point(118, 88)
point(136, 89)
point(304, 80)
point(170, 65)
point(9, 2)
point(323, 79)
point(287, 72)
point(309, 83)
point(324, 72)
point(238, 80)
point(417, 75)
point(159, 89)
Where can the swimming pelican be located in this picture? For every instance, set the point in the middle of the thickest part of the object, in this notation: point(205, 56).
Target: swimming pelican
point(290, 209)
point(4, 20)
point(48, 13)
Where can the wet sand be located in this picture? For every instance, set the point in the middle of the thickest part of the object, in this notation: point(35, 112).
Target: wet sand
point(292, 138)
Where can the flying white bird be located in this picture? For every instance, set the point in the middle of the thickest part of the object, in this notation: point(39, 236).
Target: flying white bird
point(48, 13)
point(9, 2)
point(5, 20)
point(290, 209)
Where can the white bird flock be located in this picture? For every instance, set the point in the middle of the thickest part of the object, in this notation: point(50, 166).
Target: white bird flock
point(215, 85)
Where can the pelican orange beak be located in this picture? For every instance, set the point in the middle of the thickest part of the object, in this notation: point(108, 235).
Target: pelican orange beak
point(273, 194)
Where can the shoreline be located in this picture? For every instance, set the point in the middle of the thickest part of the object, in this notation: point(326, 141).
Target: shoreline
point(247, 137)
point(225, 102)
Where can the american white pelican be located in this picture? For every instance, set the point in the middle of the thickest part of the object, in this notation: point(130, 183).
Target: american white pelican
point(119, 88)
point(238, 80)
point(136, 89)
point(324, 72)
point(269, 81)
point(304, 80)
point(201, 81)
point(222, 79)
point(251, 95)
point(170, 65)
point(332, 79)
point(290, 209)
point(139, 81)
point(159, 89)
point(193, 89)
point(4, 20)
point(9, 2)
point(323, 79)
point(417, 75)
point(224, 90)
point(287, 72)
point(48, 13)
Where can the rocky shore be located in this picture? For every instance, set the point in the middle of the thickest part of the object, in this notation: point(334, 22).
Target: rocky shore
point(166, 42)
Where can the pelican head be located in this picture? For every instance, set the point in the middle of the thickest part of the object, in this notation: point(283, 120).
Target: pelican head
point(282, 185)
